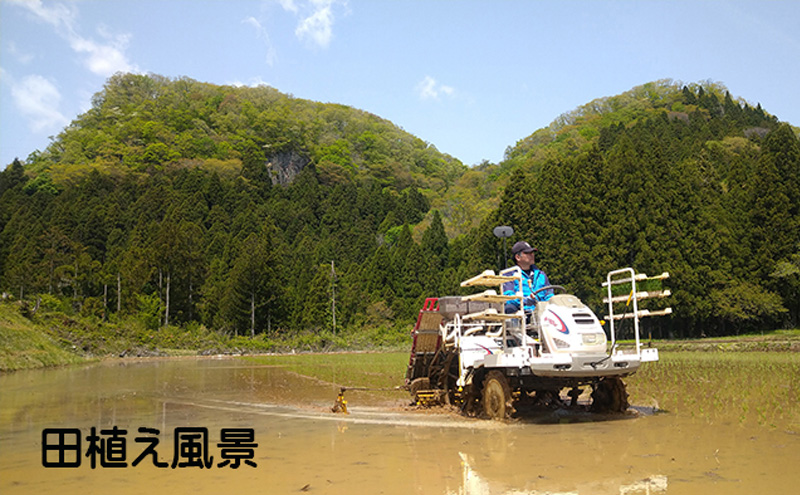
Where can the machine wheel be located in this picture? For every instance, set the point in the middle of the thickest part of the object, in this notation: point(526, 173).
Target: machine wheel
point(447, 376)
point(470, 401)
point(609, 396)
point(497, 403)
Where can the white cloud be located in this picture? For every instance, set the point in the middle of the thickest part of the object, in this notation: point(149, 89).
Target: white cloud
point(315, 19)
point(253, 22)
point(430, 89)
point(38, 100)
point(262, 33)
point(58, 15)
point(254, 82)
point(101, 58)
point(288, 5)
point(427, 88)
point(318, 27)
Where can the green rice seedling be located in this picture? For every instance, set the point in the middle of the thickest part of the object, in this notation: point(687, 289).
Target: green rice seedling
point(756, 388)
point(372, 370)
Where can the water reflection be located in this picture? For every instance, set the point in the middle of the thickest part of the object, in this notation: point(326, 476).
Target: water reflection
point(381, 447)
point(473, 484)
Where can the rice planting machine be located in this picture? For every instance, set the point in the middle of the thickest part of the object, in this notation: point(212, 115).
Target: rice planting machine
point(467, 352)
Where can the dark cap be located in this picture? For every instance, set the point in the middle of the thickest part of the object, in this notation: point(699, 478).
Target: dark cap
point(522, 247)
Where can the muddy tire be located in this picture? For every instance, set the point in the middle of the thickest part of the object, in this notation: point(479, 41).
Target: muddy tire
point(445, 377)
point(496, 396)
point(609, 396)
point(471, 401)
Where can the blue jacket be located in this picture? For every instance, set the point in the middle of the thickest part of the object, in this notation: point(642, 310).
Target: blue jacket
point(532, 280)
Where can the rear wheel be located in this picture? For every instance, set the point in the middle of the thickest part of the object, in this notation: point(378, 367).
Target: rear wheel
point(497, 402)
point(446, 377)
point(609, 396)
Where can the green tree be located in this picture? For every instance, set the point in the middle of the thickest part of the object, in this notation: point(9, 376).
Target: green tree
point(252, 297)
point(742, 303)
point(775, 213)
point(435, 251)
point(13, 176)
point(787, 276)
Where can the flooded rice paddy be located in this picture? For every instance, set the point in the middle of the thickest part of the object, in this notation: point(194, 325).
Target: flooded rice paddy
point(701, 424)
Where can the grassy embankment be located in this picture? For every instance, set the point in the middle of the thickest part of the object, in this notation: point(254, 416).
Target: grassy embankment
point(23, 345)
point(53, 338)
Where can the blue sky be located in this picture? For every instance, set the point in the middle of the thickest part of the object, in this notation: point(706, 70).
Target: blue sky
point(470, 77)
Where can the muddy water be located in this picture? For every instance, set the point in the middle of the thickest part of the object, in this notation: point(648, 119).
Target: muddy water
point(380, 447)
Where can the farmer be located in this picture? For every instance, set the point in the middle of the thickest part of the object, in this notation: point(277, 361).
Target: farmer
point(532, 279)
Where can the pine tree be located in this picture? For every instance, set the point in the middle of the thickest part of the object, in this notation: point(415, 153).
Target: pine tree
point(434, 244)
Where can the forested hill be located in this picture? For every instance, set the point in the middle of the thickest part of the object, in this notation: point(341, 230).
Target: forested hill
point(673, 178)
point(149, 123)
point(183, 201)
point(246, 210)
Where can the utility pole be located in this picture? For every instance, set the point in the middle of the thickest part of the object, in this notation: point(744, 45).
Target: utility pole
point(333, 296)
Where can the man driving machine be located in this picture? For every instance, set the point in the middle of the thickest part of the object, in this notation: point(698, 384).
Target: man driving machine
point(533, 279)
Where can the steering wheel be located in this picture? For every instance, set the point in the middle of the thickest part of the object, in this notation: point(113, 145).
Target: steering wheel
point(548, 287)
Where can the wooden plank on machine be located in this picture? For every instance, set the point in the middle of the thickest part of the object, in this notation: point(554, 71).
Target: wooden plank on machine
point(490, 315)
point(489, 277)
point(638, 277)
point(489, 296)
point(641, 295)
point(641, 314)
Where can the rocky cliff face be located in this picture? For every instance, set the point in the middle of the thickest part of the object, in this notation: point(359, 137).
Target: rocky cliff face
point(285, 165)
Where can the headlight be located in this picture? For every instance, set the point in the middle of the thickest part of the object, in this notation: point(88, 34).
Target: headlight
point(593, 338)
